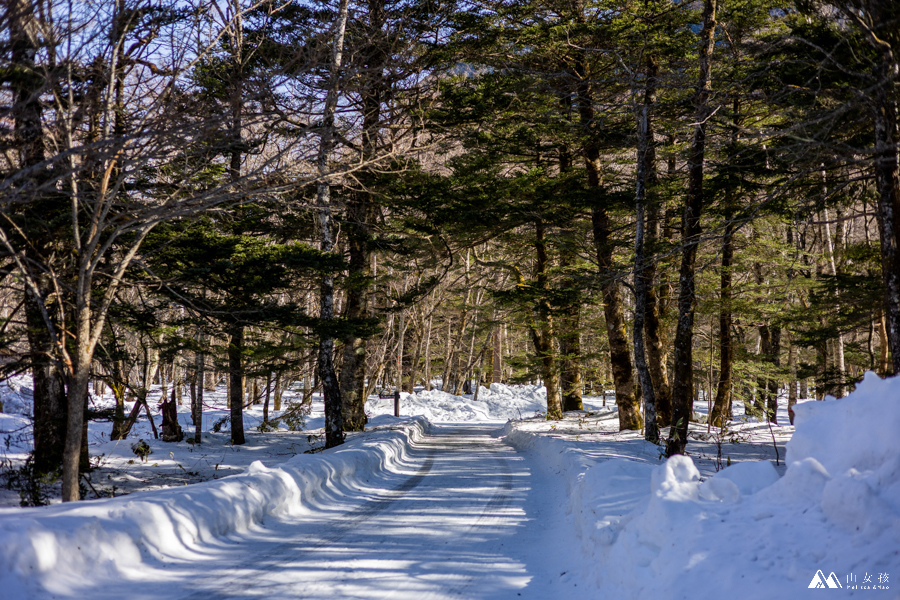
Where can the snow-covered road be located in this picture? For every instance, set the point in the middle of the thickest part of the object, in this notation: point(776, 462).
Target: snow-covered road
point(538, 509)
point(466, 517)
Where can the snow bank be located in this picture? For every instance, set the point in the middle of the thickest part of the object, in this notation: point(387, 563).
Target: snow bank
point(15, 420)
point(663, 532)
point(53, 548)
point(497, 403)
point(17, 395)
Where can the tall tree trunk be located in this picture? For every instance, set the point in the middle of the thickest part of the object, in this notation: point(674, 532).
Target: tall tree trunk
point(620, 357)
point(722, 406)
point(236, 376)
point(569, 336)
point(401, 348)
point(838, 348)
point(683, 388)
point(276, 400)
point(884, 363)
point(643, 271)
point(887, 170)
point(416, 358)
point(570, 357)
point(334, 420)
point(353, 362)
point(542, 330)
point(773, 383)
point(653, 342)
point(267, 396)
point(448, 352)
point(50, 406)
point(792, 383)
point(428, 351)
point(497, 355)
point(358, 219)
point(77, 391)
point(197, 398)
point(118, 388)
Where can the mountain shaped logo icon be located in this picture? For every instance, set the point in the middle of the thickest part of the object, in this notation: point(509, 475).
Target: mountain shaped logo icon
point(820, 581)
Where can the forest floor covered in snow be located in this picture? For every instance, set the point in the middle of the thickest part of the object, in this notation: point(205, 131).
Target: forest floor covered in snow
point(756, 512)
point(117, 470)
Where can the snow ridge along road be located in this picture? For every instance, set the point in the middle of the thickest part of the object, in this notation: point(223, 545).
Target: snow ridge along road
point(408, 540)
point(416, 512)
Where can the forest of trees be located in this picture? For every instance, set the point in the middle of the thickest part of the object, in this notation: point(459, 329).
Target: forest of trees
point(671, 200)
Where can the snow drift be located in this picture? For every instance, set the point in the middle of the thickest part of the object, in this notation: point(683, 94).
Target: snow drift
point(663, 532)
point(61, 546)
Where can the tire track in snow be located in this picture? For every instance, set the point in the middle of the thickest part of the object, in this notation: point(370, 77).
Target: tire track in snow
point(501, 497)
point(448, 448)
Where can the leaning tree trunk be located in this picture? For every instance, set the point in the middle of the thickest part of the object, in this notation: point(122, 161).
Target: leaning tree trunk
point(683, 388)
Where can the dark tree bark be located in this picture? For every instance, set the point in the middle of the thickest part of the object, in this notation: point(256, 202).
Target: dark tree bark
point(887, 183)
point(331, 390)
point(197, 396)
point(358, 223)
point(792, 383)
point(542, 330)
point(722, 405)
point(353, 361)
point(877, 20)
point(50, 404)
point(236, 377)
point(569, 332)
point(774, 359)
point(171, 429)
point(683, 388)
point(570, 351)
point(656, 353)
point(620, 356)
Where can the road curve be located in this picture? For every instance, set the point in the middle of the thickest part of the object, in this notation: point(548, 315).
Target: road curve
point(467, 518)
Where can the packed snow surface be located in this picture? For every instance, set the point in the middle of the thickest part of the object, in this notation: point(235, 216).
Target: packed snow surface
point(625, 522)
